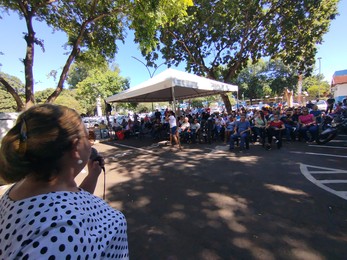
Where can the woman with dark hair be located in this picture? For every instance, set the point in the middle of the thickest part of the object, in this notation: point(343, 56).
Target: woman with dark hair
point(258, 129)
point(45, 215)
point(307, 123)
point(274, 129)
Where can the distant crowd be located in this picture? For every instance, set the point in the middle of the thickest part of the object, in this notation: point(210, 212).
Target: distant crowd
point(243, 126)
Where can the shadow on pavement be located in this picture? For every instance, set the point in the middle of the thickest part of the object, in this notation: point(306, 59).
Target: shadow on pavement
point(203, 203)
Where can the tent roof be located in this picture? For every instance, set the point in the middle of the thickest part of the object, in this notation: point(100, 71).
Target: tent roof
point(172, 85)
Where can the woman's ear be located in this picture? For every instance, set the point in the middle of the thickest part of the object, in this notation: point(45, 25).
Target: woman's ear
point(74, 151)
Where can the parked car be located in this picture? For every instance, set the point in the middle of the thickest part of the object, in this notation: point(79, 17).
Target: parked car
point(322, 105)
point(254, 106)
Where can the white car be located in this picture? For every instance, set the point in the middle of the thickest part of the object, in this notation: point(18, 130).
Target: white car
point(322, 105)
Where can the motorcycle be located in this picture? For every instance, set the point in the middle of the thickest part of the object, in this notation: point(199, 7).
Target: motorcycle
point(332, 129)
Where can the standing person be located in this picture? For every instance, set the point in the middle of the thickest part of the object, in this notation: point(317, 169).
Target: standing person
point(330, 104)
point(45, 215)
point(173, 129)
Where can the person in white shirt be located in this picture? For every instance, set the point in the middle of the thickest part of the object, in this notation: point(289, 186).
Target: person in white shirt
point(219, 127)
point(173, 129)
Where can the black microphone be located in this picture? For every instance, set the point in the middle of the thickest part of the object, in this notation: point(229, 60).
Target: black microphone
point(95, 156)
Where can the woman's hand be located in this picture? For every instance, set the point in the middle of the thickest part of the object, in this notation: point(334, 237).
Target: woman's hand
point(95, 166)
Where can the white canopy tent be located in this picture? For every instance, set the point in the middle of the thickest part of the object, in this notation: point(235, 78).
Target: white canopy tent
point(172, 85)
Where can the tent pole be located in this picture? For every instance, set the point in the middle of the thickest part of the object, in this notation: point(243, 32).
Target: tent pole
point(173, 99)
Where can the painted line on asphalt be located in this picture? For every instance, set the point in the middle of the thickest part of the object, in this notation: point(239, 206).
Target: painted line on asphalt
point(327, 146)
point(321, 183)
point(333, 181)
point(136, 148)
point(320, 154)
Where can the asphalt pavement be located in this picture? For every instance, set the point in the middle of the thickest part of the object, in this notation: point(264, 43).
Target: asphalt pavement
point(205, 202)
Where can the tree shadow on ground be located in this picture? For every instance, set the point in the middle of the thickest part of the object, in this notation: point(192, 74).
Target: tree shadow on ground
point(200, 203)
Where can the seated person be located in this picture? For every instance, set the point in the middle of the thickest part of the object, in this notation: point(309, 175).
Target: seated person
point(290, 125)
point(229, 128)
point(128, 128)
point(219, 126)
point(258, 129)
point(184, 128)
point(317, 114)
point(156, 129)
point(116, 126)
point(274, 128)
point(242, 131)
point(194, 128)
point(102, 125)
point(103, 129)
point(307, 123)
point(124, 123)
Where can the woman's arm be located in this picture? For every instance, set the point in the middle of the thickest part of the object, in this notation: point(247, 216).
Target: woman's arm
point(94, 170)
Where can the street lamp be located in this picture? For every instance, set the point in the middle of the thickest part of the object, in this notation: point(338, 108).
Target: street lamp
point(149, 72)
point(319, 62)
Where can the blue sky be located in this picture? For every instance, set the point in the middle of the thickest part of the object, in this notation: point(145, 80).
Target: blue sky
point(333, 52)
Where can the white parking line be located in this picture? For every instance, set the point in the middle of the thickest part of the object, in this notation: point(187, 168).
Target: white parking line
point(304, 168)
point(333, 181)
point(135, 148)
point(321, 154)
point(328, 146)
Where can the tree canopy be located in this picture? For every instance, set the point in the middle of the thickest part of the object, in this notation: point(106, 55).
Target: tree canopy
point(230, 33)
point(92, 26)
point(100, 83)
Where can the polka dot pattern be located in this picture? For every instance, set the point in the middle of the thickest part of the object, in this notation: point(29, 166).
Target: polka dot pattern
point(61, 225)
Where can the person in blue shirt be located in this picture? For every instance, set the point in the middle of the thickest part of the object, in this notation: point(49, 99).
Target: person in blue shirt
point(242, 130)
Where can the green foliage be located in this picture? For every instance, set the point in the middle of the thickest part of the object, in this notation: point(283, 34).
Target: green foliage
point(144, 108)
point(316, 87)
point(269, 78)
point(252, 80)
point(281, 77)
point(80, 70)
point(197, 103)
point(69, 98)
point(230, 33)
point(7, 103)
point(66, 98)
point(148, 16)
point(93, 28)
point(101, 83)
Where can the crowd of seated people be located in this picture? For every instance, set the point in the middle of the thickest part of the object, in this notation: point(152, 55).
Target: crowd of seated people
point(266, 126)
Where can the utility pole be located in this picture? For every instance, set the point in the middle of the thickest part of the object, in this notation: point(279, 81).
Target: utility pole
point(319, 60)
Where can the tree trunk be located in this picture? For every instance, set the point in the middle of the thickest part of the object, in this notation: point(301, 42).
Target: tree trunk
point(29, 62)
point(226, 102)
point(75, 51)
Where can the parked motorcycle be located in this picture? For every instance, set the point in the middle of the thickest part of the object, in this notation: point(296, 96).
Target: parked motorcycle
point(331, 130)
